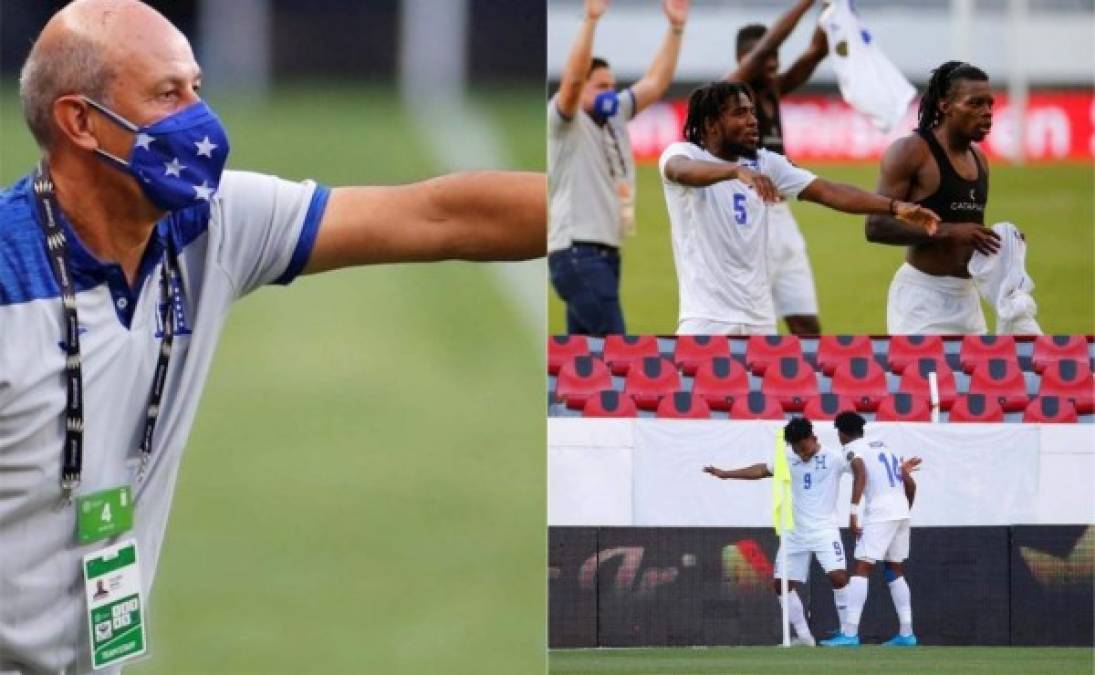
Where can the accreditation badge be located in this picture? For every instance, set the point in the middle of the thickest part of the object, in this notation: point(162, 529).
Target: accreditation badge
point(104, 514)
point(115, 609)
point(627, 207)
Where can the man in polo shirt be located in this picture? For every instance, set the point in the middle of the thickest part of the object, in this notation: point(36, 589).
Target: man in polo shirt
point(120, 256)
point(591, 171)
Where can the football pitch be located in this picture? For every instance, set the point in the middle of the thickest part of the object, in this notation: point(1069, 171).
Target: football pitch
point(1051, 203)
point(363, 490)
point(820, 661)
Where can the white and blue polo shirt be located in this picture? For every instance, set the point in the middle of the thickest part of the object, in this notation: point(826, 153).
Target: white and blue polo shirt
point(257, 230)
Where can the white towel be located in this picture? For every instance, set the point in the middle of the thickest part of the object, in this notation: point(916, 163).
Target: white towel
point(1002, 280)
point(868, 80)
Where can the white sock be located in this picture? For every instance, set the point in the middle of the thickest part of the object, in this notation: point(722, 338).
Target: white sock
point(796, 614)
point(902, 602)
point(840, 599)
point(856, 594)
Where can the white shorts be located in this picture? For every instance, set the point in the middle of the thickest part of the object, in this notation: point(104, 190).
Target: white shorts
point(826, 546)
point(789, 269)
point(922, 304)
point(885, 540)
point(712, 327)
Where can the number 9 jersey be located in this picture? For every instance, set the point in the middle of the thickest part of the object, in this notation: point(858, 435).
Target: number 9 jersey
point(884, 490)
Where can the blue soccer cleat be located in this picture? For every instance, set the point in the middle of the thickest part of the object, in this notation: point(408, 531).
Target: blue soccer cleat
point(900, 641)
point(841, 640)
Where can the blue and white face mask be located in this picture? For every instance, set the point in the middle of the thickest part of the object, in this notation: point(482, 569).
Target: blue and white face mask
point(178, 160)
point(605, 105)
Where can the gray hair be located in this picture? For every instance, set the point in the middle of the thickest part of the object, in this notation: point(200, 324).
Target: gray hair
point(74, 65)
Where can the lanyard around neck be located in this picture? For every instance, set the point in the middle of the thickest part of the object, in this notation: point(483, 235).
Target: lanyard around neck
point(72, 456)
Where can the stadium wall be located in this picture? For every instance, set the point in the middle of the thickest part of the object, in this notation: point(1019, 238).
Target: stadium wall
point(630, 587)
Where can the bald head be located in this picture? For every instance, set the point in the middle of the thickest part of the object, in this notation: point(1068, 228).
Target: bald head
point(107, 50)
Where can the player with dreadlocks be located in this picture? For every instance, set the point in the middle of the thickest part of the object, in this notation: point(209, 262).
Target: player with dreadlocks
point(939, 167)
point(719, 187)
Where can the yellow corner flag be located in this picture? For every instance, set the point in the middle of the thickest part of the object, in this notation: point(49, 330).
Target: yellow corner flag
point(781, 488)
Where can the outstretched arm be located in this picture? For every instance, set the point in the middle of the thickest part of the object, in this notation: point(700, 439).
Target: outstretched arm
point(752, 64)
point(754, 472)
point(850, 199)
point(576, 70)
point(480, 215)
point(657, 78)
point(700, 173)
point(804, 67)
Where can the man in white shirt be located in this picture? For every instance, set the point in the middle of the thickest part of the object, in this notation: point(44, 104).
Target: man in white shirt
point(591, 171)
point(815, 483)
point(889, 489)
point(718, 189)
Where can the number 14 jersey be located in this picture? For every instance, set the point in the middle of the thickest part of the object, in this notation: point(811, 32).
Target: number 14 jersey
point(884, 491)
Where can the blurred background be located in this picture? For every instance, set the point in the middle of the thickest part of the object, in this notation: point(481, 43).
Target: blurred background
point(1040, 57)
point(398, 409)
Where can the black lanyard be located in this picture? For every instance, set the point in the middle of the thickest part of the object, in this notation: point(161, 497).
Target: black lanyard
point(72, 454)
point(619, 153)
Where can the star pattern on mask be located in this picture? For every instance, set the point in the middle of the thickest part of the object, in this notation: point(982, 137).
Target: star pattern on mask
point(143, 141)
point(205, 147)
point(203, 191)
point(173, 168)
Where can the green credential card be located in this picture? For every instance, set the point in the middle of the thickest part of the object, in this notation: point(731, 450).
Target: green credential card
point(104, 514)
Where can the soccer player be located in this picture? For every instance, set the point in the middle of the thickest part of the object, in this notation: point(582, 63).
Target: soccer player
point(719, 186)
point(591, 171)
point(939, 167)
point(121, 255)
point(889, 490)
point(815, 482)
point(757, 51)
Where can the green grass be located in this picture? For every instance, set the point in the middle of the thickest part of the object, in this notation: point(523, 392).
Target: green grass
point(760, 660)
point(363, 490)
point(1051, 203)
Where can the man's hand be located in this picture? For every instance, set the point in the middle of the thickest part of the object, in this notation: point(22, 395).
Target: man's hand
point(763, 185)
point(676, 11)
point(853, 524)
point(717, 473)
point(981, 238)
point(595, 9)
point(909, 465)
point(914, 214)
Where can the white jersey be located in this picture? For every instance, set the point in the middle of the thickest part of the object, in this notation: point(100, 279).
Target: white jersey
point(814, 487)
point(868, 80)
point(1002, 280)
point(256, 230)
point(884, 490)
point(720, 238)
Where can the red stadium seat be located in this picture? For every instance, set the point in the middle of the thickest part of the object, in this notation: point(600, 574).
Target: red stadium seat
point(720, 382)
point(915, 381)
point(832, 350)
point(1050, 409)
point(976, 408)
point(863, 381)
point(651, 379)
point(1070, 380)
point(792, 381)
point(904, 407)
point(609, 403)
point(563, 348)
point(904, 349)
point(1002, 381)
point(1050, 348)
point(620, 351)
point(683, 405)
point(826, 407)
point(581, 378)
point(980, 348)
point(763, 350)
point(692, 351)
point(756, 406)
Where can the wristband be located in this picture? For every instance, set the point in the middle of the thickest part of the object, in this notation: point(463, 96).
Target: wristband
point(857, 509)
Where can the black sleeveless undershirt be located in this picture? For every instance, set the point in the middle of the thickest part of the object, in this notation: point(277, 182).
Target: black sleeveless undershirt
point(770, 128)
point(956, 200)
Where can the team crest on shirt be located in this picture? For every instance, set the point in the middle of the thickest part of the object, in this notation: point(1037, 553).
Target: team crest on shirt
point(178, 311)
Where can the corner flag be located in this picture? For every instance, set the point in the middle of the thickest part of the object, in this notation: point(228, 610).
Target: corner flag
point(781, 488)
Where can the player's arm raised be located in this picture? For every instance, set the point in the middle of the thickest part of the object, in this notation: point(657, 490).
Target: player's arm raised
point(752, 64)
point(754, 472)
point(480, 215)
point(657, 78)
point(859, 481)
point(700, 173)
point(576, 69)
point(801, 70)
point(850, 199)
point(907, 467)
